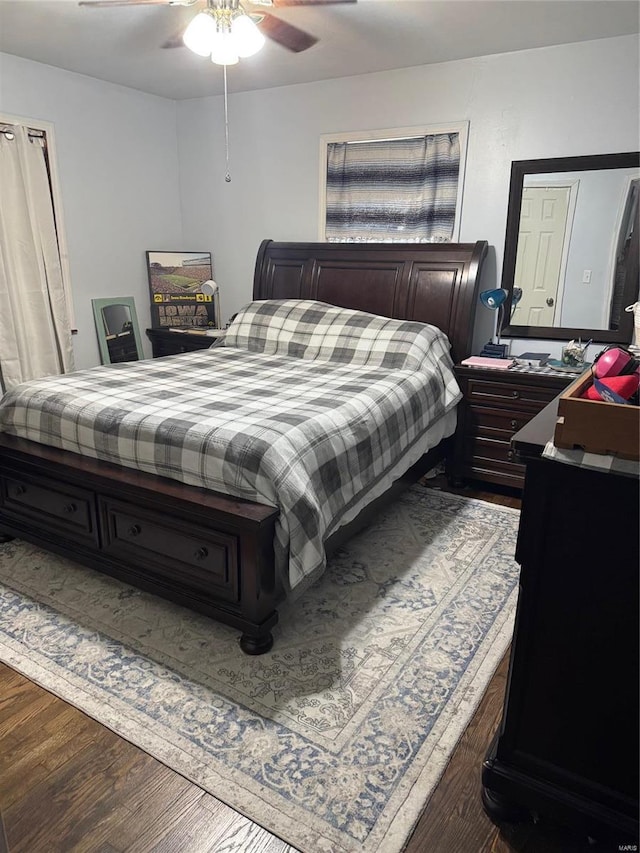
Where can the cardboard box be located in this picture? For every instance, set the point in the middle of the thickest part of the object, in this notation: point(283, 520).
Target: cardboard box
point(597, 427)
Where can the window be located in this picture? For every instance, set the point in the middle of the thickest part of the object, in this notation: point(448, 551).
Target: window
point(401, 185)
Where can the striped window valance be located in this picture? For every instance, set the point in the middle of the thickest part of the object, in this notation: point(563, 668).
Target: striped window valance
point(401, 190)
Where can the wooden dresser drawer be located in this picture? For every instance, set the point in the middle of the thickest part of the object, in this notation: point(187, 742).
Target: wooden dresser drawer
point(488, 449)
point(492, 461)
point(171, 547)
point(494, 423)
point(493, 472)
point(515, 395)
point(64, 509)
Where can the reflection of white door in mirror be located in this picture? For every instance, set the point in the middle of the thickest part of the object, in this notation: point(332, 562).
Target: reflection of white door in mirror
point(584, 296)
point(542, 240)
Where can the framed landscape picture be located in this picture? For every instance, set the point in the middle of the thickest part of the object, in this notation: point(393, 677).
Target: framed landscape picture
point(175, 281)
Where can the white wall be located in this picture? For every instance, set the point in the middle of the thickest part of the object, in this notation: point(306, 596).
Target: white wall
point(561, 101)
point(117, 164)
point(132, 179)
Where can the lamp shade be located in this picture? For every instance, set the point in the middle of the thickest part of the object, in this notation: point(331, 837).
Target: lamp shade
point(209, 287)
point(200, 34)
point(493, 298)
point(247, 37)
point(223, 48)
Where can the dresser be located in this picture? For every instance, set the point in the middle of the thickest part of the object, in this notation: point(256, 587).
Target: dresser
point(495, 405)
point(166, 342)
point(567, 746)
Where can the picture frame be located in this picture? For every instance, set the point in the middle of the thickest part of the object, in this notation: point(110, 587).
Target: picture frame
point(175, 279)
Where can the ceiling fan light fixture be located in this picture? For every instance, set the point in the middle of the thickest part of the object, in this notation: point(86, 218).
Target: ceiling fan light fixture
point(223, 49)
point(247, 37)
point(224, 34)
point(200, 33)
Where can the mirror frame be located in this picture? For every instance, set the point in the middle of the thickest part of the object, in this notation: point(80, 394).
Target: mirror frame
point(98, 305)
point(519, 169)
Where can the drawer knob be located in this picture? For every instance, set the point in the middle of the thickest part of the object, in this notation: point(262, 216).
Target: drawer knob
point(510, 454)
point(69, 508)
point(20, 490)
point(514, 424)
point(201, 553)
point(515, 395)
point(134, 530)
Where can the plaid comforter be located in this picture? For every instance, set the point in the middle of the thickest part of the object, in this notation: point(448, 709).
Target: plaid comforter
point(308, 436)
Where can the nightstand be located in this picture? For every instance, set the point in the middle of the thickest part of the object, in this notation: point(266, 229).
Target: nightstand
point(166, 342)
point(496, 404)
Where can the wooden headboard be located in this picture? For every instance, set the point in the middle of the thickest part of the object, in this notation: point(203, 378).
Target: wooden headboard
point(431, 282)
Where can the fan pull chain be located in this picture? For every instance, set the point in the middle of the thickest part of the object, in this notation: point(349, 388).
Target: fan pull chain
point(227, 176)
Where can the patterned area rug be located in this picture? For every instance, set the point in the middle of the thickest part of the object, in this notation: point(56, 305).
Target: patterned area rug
point(335, 739)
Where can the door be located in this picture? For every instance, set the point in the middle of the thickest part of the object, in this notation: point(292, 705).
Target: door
point(540, 258)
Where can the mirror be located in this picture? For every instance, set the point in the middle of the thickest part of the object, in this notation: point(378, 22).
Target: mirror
point(572, 246)
point(117, 329)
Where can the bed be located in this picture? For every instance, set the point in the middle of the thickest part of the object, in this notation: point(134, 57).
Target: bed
point(219, 543)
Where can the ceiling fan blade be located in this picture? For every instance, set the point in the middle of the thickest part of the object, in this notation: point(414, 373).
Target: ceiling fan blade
point(286, 34)
point(176, 40)
point(105, 3)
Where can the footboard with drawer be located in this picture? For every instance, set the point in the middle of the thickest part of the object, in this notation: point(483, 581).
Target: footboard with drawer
point(178, 541)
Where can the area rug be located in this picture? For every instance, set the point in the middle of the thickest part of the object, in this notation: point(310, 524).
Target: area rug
point(335, 739)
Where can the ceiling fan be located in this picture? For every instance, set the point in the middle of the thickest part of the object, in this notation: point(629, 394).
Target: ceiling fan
point(225, 30)
point(225, 14)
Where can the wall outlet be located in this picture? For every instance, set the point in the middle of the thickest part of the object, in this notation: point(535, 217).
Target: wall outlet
point(586, 276)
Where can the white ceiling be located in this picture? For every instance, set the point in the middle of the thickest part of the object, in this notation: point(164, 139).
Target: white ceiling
point(122, 45)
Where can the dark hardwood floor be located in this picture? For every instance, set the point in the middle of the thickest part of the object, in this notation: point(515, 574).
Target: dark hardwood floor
point(69, 784)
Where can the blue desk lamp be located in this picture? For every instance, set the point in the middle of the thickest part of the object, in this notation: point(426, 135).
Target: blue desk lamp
point(495, 299)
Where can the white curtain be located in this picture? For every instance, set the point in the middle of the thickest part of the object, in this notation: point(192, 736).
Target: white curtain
point(35, 332)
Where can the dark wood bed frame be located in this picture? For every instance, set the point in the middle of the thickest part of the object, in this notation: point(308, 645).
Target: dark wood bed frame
point(208, 551)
